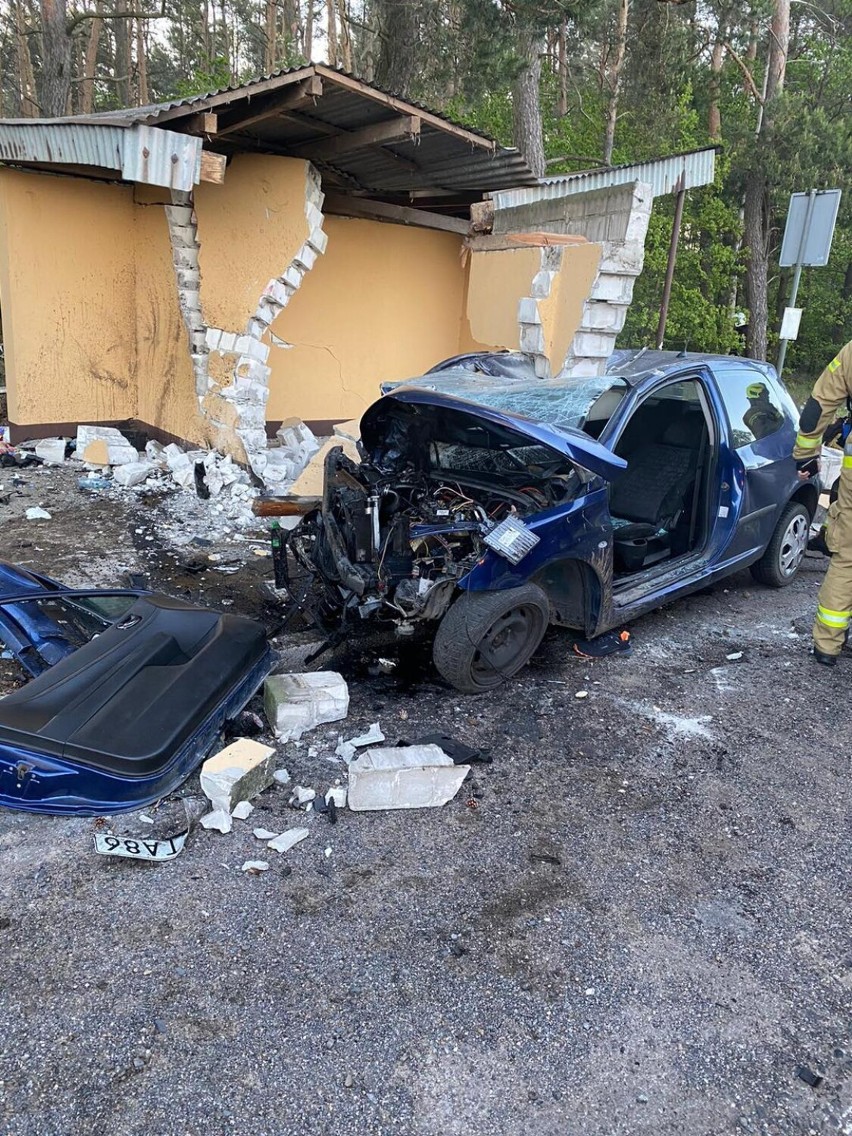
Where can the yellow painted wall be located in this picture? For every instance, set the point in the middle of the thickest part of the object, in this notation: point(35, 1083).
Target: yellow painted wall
point(562, 311)
point(67, 291)
point(166, 382)
point(249, 229)
point(498, 280)
point(384, 302)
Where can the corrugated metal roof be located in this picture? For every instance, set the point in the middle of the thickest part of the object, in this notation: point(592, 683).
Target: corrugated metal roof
point(664, 175)
point(140, 153)
point(446, 157)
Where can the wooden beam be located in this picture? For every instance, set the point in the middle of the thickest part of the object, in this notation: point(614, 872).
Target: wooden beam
point(504, 241)
point(344, 206)
point(213, 167)
point(304, 93)
point(340, 79)
point(225, 98)
point(204, 123)
point(407, 126)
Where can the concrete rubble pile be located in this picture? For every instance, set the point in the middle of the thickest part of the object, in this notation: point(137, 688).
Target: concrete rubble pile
point(105, 451)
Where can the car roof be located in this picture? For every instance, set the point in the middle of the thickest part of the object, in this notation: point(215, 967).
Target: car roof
point(637, 365)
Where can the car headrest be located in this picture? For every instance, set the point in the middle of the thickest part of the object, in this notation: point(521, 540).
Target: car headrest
point(683, 432)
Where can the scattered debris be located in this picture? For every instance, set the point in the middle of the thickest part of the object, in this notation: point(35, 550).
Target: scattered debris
point(282, 776)
point(243, 810)
point(460, 753)
point(302, 795)
point(582, 694)
point(265, 834)
point(295, 703)
point(288, 839)
point(36, 513)
point(237, 773)
point(403, 777)
point(336, 793)
point(165, 838)
point(255, 867)
point(372, 737)
point(809, 1077)
point(104, 445)
point(734, 656)
point(51, 450)
point(610, 643)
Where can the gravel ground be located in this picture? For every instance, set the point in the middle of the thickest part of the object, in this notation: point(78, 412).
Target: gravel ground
point(635, 920)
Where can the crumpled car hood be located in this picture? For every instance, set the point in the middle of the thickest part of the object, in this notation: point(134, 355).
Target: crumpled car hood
point(564, 441)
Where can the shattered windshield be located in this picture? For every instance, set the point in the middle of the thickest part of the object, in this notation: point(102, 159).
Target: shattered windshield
point(572, 402)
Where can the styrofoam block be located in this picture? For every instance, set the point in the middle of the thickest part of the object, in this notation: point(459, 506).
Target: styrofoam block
point(406, 777)
point(295, 703)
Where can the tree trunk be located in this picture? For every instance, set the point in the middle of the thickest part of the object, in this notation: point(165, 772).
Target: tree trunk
point(615, 81)
point(270, 46)
point(779, 45)
point(344, 38)
point(121, 31)
point(399, 45)
point(26, 79)
point(54, 84)
point(526, 105)
point(562, 71)
point(90, 63)
point(714, 113)
point(143, 96)
point(332, 34)
point(756, 240)
point(309, 30)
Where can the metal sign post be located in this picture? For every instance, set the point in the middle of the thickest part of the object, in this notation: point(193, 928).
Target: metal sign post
point(807, 244)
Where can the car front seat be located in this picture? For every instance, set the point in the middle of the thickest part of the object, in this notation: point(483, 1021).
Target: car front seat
point(659, 475)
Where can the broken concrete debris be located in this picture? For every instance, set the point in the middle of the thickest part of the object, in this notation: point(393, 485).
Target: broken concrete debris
point(403, 777)
point(243, 810)
point(265, 834)
point(51, 450)
point(255, 867)
point(295, 703)
point(36, 513)
point(288, 839)
point(234, 775)
point(103, 446)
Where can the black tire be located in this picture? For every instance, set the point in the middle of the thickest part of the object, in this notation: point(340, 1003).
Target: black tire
point(486, 637)
point(780, 563)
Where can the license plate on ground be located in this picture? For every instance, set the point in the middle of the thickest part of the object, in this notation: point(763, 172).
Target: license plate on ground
point(137, 849)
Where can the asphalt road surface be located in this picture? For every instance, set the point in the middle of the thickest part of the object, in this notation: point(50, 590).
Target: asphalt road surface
point(635, 920)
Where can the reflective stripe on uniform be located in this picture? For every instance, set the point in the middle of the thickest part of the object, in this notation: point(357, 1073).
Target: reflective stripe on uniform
point(833, 618)
point(806, 443)
point(847, 461)
point(834, 364)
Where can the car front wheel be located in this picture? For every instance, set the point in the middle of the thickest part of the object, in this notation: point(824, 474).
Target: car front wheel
point(780, 562)
point(486, 637)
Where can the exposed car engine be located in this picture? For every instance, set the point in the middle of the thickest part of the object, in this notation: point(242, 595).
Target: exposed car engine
point(394, 544)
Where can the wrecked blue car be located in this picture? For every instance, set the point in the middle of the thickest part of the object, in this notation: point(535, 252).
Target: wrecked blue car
point(492, 503)
point(129, 690)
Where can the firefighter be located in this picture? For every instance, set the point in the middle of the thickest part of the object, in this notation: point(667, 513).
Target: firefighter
point(834, 602)
point(761, 418)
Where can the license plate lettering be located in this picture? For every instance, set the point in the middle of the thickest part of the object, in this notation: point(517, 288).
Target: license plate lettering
point(132, 849)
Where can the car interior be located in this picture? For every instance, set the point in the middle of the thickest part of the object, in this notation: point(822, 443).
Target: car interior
point(659, 504)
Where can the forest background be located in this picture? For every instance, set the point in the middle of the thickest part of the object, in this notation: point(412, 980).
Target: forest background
point(575, 84)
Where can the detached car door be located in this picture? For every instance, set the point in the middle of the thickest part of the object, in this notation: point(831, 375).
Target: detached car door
point(762, 430)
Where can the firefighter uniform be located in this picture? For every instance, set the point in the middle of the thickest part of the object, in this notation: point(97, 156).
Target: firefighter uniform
point(834, 603)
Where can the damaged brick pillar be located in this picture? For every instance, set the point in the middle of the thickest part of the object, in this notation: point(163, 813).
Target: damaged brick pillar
point(183, 235)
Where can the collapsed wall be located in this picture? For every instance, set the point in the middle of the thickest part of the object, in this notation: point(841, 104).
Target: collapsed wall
point(231, 364)
point(615, 219)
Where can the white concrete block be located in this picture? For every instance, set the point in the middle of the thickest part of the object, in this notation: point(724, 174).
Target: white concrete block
point(51, 450)
point(622, 258)
point(179, 214)
point(305, 257)
point(185, 258)
point(613, 288)
point(256, 328)
point(237, 773)
point(183, 236)
point(603, 317)
point(528, 311)
point(541, 365)
point(252, 348)
point(252, 438)
point(542, 284)
point(532, 338)
point(295, 703)
point(593, 344)
point(318, 240)
point(288, 839)
point(213, 338)
point(228, 341)
point(253, 416)
point(292, 276)
point(133, 473)
point(277, 291)
point(314, 215)
point(408, 777)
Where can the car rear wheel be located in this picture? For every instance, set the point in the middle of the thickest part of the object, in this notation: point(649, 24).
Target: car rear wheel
point(780, 562)
point(486, 637)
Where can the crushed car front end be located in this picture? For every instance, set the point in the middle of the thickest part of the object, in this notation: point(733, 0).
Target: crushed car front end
point(444, 487)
